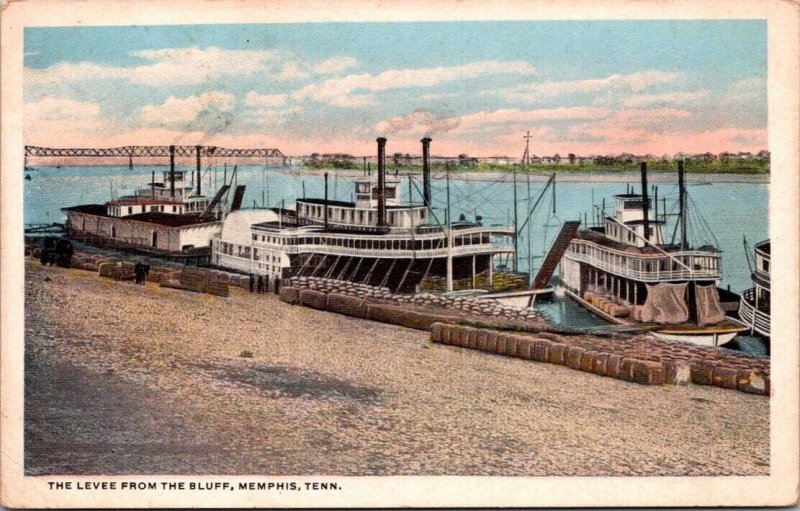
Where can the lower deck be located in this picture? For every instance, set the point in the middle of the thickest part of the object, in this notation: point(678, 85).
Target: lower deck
point(404, 275)
point(711, 335)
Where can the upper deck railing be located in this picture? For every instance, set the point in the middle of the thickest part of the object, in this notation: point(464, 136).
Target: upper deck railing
point(394, 234)
point(757, 320)
point(655, 267)
point(335, 250)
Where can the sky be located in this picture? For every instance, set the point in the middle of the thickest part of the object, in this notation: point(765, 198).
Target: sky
point(583, 87)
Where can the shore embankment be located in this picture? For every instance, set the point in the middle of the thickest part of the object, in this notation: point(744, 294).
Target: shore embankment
point(564, 176)
point(629, 356)
point(130, 379)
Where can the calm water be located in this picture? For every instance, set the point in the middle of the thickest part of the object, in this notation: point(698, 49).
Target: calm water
point(729, 210)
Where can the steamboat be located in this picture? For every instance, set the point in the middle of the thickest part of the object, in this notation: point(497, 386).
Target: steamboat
point(375, 239)
point(754, 307)
point(169, 217)
point(624, 271)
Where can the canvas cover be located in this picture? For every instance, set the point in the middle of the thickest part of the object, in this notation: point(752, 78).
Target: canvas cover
point(709, 310)
point(665, 304)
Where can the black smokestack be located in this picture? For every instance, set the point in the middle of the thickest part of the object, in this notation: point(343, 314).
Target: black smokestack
point(172, 171)
point(199, 188)
point(646, 222)
point(426, 170)
point(381, 181)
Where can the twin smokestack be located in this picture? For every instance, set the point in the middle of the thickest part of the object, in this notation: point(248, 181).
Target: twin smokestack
point(426, 176)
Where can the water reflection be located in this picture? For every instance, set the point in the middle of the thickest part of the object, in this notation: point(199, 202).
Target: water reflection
point(563, 312)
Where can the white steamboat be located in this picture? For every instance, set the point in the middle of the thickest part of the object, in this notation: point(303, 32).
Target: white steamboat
point(623, 271)
point(754, 308)
point(170, 217)
point(375, 239)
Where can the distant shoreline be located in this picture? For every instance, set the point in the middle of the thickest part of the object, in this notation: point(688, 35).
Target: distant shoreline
point(568, 176)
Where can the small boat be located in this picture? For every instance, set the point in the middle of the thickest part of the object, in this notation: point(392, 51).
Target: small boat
point(27, 177)
point(754, 308)
point(623, 270)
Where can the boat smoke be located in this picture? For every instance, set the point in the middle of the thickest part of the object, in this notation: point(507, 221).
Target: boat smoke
point(433, 123)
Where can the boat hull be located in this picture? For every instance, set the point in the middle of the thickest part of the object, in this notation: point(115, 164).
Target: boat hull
point(712, 335)
point(701, 339)
point(522, 299)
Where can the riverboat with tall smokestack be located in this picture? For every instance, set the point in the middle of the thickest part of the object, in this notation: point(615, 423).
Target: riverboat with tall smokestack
point(623, 269)
point(377, 239)
point(754, 308)
point(169, 217)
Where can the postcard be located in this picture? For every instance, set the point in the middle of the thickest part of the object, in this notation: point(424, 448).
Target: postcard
point(399, 254)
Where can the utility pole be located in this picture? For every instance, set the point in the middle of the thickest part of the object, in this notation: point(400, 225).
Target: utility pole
point(516, 233)
point(449, 235)
point(682, 203)
point(526, 157)
point(528, 233)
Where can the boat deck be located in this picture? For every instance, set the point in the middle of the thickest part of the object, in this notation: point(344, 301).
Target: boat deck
point(726, 326)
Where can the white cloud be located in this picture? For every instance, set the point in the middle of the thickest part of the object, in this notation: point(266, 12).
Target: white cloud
point(357, 90)
point(633, 82)
point(293, 71)
point(164, 66)
point(634, 124)
point(665, 98)
point(497, 124)
point(51, 117)
point(70, 72)
point(192, 65)
point(748, 90)
point(266, 110)
point(208, 112)
point(53, 109)
point(334, 65)
point(511, 116)
point(254, 99)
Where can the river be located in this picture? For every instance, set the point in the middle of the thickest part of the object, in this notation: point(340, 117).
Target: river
point(721, 213)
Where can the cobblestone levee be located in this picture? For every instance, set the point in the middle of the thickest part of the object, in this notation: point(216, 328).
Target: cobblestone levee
point(127, 379)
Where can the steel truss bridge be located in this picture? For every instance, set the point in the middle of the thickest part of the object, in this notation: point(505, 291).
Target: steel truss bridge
point(132, 151)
